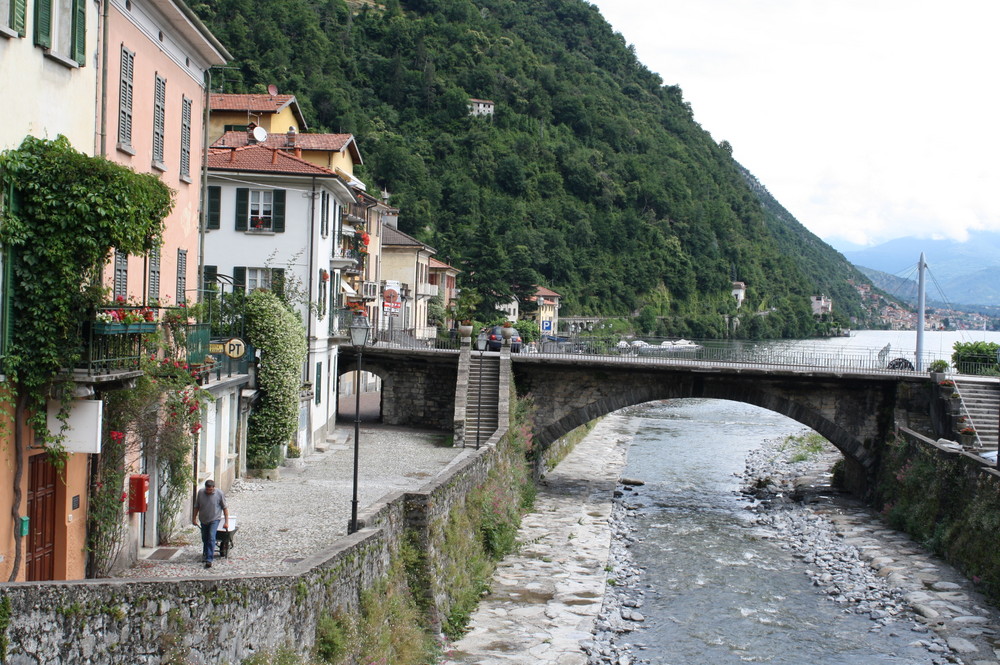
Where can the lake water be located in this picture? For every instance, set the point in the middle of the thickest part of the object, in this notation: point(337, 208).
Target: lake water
point(715, 592)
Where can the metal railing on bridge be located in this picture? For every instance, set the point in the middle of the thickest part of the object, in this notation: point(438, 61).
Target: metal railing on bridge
point(735, 353)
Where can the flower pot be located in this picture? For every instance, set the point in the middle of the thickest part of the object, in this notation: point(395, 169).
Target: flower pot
point(507, 332)
point(967, 440)
point(102, 328)
point(465, 332)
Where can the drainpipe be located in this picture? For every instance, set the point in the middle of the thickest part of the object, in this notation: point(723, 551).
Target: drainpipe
point(103, 128)
point(203, 207)
point(311, 267)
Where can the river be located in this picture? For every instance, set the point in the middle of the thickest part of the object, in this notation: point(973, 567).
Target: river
point(714, 591)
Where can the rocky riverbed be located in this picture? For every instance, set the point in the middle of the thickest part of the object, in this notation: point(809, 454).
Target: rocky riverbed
point(849, 554)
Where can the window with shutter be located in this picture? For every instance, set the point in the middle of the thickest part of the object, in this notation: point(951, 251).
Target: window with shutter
point(121, 275)
point(278, 221)
point(324, 222)
point(125, 100)
point(182, 262)
point(214, 207)
point(18, 16)
point(318, 386)
point(239, 277)
point(186, 137)
point(242, 206)
point(78, 38)
point(43, 23)
point(159, 120)
point(153, 287)
point(209, 276)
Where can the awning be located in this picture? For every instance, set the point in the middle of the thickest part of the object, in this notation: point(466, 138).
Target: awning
point(346, 288)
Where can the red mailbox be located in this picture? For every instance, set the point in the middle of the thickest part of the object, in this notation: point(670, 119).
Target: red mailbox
point(138, 492)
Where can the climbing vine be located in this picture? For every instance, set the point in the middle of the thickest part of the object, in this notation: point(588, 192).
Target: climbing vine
point(67, 212)
point(277, 331)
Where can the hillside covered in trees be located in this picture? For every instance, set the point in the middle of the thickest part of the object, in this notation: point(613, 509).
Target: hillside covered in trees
point(591, 178)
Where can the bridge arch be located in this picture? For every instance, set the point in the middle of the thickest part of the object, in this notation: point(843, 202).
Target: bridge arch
point(853, 414)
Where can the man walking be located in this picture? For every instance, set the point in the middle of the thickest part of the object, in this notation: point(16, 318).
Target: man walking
point(210, 504)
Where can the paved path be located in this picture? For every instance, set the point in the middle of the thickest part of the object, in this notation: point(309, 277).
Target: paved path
point(545, 598)
point(284, 521)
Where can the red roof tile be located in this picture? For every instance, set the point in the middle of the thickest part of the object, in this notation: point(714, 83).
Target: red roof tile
point(546, 293)
point(441, 265)
point(328, 142)
point(256, 104)
point(262, 159)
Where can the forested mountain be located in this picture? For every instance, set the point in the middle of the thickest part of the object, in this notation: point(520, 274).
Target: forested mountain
point(592, 177)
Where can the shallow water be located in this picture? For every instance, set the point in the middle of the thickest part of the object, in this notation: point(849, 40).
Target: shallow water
point(715, 592)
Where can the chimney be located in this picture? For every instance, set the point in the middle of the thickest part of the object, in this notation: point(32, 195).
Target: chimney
point(298, 153)
point(290, 137)
point(274, 156)
point(251, 139)
point(232, 154)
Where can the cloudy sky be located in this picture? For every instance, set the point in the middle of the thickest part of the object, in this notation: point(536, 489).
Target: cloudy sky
point(867, 119)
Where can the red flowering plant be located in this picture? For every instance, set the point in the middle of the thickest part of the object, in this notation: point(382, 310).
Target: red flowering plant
point(127, 311)
point(357, 308)
point(158, 418)
point(967, 430)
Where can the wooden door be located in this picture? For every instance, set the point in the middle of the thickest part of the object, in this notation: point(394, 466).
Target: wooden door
point(40, 560)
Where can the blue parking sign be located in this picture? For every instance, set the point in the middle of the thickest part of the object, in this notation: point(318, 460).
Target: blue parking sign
point(546, 326)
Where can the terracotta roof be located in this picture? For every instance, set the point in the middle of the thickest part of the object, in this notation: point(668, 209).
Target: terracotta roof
point(546, 293)
point(256, 104)
point(441, 265)
point(262, 159)
point(391, 236)
point(327, 142)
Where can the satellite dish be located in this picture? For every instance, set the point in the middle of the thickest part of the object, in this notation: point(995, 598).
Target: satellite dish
point(260, 134)
point(272, 90)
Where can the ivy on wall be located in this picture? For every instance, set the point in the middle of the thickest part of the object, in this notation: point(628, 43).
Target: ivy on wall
point(69, 211)
point(278, 333)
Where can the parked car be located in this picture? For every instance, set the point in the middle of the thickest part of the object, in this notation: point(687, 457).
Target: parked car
point(494, 339)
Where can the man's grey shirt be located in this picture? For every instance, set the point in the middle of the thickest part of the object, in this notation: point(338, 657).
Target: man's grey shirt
point(210, 506)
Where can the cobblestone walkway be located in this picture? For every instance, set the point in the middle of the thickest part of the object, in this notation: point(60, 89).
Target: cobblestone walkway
point(304, 512)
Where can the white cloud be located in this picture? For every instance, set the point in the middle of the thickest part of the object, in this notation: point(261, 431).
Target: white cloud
point(867, 119)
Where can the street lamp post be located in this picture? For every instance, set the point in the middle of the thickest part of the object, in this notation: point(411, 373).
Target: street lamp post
point(481, 345)
point(359, 330)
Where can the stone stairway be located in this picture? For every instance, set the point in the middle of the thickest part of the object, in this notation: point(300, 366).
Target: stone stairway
point(484, 389)
point(982, 406)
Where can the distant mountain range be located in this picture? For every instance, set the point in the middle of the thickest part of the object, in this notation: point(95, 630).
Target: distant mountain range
point(960, 273)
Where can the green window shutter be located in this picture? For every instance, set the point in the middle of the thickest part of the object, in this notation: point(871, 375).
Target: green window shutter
point(278, 212)
point(239, 277)
point(78, 48)
point(242, 208)
point(125, 98)
point(43, 23)
point(215, 207)
point(278, 282)
point(319, 383)
point(209, 276)
point(18, 15)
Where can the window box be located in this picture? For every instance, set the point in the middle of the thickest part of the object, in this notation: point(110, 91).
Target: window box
point(102, 328)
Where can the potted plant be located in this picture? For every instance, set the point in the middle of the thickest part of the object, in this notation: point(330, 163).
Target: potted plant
point(967, 436)
point(937, 369)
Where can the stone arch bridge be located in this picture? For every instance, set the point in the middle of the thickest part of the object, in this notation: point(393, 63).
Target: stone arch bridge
point(854, 410)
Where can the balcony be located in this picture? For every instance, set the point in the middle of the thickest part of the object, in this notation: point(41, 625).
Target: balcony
point(341, 260)
point(427, 290)
point(359, 259)
point(340, 321)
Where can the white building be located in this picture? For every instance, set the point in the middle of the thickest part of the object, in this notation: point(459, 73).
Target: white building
point(274, 223)
point(481, 107)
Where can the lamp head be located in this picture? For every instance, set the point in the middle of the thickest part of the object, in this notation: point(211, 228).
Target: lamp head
point(481, 343)
point(359, 330)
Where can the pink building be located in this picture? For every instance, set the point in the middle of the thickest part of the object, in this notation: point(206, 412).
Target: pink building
point(151, 118)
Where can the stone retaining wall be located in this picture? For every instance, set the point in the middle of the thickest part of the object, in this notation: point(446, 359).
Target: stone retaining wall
point(225, 620)
point(947, 499)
